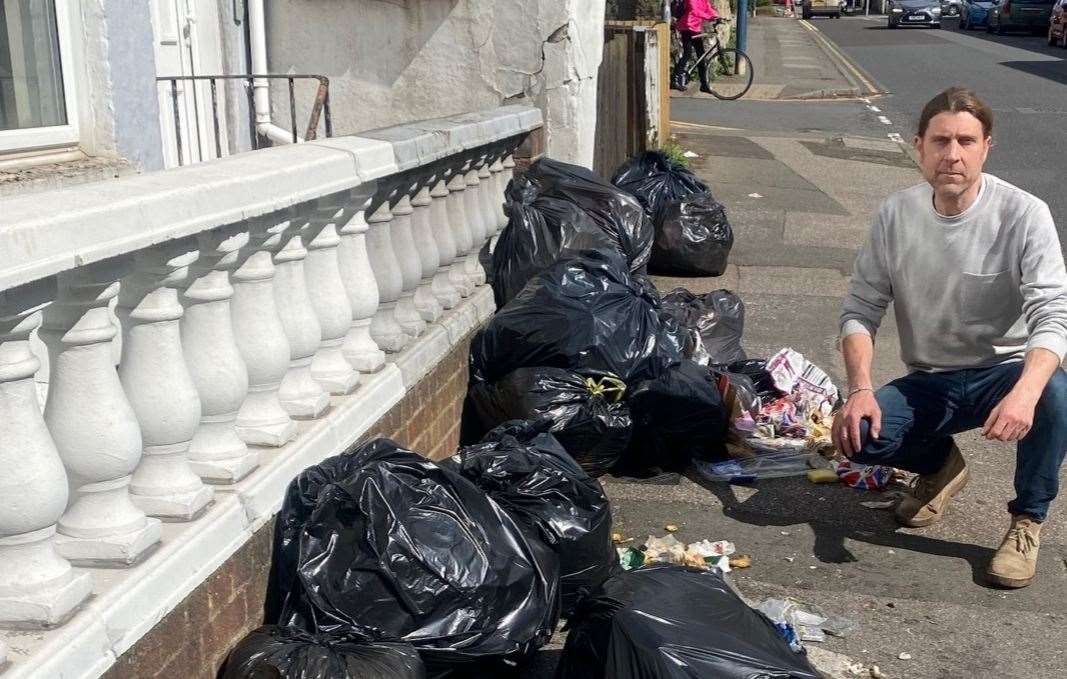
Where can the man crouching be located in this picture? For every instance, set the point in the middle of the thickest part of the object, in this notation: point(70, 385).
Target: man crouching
point(974, 270)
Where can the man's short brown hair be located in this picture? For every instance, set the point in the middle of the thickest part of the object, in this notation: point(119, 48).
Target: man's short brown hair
point(957, 100)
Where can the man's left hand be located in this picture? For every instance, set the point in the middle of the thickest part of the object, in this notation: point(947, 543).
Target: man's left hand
point(1011, 419)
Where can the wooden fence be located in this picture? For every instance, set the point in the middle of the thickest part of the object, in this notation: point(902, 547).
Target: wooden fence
point(633, 97)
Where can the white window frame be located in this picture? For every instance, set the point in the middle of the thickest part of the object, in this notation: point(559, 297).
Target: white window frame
point(39, 138)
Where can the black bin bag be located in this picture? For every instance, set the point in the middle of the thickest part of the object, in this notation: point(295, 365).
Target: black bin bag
point(527, 472)
point(693, 238)
point(539, 230)
point(583, 313)
point(272, 652)
point(715, 321)
point(673, 622)
point(585, 411)
point(614, 212)
point(656, 180)
point(677, 417)
point(398, 548)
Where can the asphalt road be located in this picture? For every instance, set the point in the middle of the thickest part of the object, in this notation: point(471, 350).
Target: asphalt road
point(1020, 76)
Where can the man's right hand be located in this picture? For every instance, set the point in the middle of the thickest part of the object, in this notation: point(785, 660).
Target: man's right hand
point(846, 428)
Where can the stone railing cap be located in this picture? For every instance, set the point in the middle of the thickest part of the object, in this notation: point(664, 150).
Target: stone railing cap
point(412, 146)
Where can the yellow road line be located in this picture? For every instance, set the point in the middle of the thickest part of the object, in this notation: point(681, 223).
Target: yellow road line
point(871, 89)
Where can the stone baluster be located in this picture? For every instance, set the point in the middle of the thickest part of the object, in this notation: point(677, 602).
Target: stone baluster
point(426, 302)
point(500, 186)
point(407, 315)
point(384, 328)
point(300, 394)
point(490, 198)
point(92, 422)
point(157, 382)
point(262, 341)
point(38, 587)
point(508, 172)
point(443, 289)
point(461, 231)
point(358, 278)
point(328, 297)
point(476, 219)
point(217, 454)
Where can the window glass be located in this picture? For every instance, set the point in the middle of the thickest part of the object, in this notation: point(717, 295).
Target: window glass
point(31, 81)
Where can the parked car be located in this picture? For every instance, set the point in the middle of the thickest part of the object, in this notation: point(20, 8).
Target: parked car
point(914, 13)
point(828, 8)
point(1020, 15)
point(1057, 25)
point(975, 14)
point(950, 8)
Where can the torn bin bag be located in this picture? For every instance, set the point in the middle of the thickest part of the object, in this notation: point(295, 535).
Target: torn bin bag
point(693, 238)
point(673, 622)
point(399, 548)
point(583, 313)
point(656, 180)
point(614, 211)
point(586, 417)
point(285, 653)
point(677, 416)
point(530, 475)
point(716, 321)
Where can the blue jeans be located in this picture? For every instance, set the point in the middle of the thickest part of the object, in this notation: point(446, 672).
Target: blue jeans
point(921, 412)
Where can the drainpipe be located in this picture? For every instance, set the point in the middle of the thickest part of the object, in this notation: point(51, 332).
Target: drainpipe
point(257, 32)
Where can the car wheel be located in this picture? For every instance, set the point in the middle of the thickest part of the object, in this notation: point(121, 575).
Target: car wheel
point(999, 29)
point(891, 24)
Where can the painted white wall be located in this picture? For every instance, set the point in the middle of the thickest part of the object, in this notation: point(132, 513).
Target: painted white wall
point(392, 61)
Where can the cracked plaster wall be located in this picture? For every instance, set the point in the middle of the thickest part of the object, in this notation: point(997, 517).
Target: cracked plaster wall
point(391, 61)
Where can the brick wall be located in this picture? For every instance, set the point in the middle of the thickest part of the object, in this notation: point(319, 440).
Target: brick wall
point(192, 641)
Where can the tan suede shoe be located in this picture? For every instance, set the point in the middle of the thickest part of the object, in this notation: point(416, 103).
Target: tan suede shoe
point(932, 493)
point(1015, 563)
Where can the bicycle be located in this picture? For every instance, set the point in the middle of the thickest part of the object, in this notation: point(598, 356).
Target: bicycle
point(726, 62)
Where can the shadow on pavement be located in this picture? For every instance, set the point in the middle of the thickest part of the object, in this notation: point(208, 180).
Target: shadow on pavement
point(765, 508)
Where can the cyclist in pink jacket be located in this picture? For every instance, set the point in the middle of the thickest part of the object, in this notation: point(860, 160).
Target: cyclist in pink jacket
point(690, 24)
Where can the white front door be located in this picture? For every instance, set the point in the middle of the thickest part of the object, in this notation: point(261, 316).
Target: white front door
point(188, 42)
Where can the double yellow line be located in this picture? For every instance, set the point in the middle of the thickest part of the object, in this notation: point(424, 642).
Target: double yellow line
point(871, 88)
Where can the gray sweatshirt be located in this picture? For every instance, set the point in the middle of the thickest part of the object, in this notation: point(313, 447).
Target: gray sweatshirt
point(969, 291)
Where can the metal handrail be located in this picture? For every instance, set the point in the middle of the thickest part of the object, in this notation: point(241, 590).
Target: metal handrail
point(319, 109)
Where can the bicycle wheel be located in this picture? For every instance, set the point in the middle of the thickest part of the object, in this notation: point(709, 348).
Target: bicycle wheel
point(726, 64)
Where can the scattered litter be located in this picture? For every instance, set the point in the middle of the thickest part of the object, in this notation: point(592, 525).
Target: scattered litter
point(905, 656)
point(879, 504)
point(790, 559)
point(670, 528)
point(784, 532)
point(754, 195)
point(823, 476)
point(690, 154)
point(704, 554)
point(812, 567)
point(741, 561)
point(618, 539)
point(864, 477)
point(630, 558)
point(804, 622)
point(856, 669)
point(876, 673)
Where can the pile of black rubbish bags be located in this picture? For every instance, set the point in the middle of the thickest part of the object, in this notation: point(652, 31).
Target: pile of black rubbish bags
point(389, 565)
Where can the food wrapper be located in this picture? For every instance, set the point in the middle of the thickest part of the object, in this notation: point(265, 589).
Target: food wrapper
point(873, 477)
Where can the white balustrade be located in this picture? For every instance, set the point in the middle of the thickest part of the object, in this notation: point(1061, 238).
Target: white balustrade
point(328, 297)
point(426, 302)
point(384, 328)
point(461, 231)
point(407, 315)
point(261, 338)
point(474, 207)
point(443, 288)
point(490, 197)
point(217, 454)
point(38, 587)
point(92, 422)
point(300, 394)
point(499, 189)
point(157, 382)
point(360, 285)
